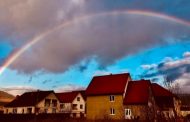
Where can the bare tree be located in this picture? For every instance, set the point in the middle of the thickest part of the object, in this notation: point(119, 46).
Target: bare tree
point(172, 86)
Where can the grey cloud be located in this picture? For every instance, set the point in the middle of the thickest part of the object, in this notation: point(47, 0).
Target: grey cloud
point(106, 37)
point(172, 69)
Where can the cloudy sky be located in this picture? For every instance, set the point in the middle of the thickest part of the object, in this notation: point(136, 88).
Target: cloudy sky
point(62, 44)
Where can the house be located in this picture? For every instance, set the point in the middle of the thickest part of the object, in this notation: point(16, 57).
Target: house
point(139, 101)
point(118, 97)
point(105, 96)
point(167, 103)
point(72, 102)
point(33, 103)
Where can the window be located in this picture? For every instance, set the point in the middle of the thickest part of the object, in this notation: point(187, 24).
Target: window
point(74, 106)
point(112, 98)
point(62, 106)
point(54, 103)
point(112, 111)
point(78, 98)
point(81, 106)
point(14, 110)
point(47, 102)
point(128, 112)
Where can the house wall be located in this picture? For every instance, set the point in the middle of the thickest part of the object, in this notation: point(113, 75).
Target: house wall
point(66, 109)
point(42, 107)
point(81, 102)
point(20, 110)
point(140, 111)
point(184, 113)
point(98, 107)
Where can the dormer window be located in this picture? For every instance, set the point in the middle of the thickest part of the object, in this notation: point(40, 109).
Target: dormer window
point(112, 98)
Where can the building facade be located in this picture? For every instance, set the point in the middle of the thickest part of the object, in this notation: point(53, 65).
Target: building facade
point(73, 103)
point(118, 97)
point(105, 96)
point(33, 103)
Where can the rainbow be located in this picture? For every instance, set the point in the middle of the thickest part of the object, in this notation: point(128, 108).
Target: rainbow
point(36, 39)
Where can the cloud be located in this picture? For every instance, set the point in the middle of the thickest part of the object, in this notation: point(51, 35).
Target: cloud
point(177, 70)
point(186, 54)
point(21, 20)
point(107, 37)
point(100, 72)
point(69, 87)
point(147, 66)
point(18, 90)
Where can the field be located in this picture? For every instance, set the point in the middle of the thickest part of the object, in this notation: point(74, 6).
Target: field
point(59, 118)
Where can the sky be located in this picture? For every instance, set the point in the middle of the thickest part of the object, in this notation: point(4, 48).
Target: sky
point(61, 44)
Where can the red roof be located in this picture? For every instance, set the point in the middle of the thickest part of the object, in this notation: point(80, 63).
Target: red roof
point(83, 93)
point(108, 84)
point(68, 97)
point(160, 91)
point(29, 99)
point(163, 97)
point(137, 92)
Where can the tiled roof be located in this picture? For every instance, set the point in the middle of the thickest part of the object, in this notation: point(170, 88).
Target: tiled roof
point(163, 97)
point(29, 99)
point(137, 92)
point(108, 84)
point(67, 97)
point(160, 91)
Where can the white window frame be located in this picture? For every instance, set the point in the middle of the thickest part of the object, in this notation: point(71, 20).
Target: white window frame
point(112, 111)
point(112, 98)
point(128, 111)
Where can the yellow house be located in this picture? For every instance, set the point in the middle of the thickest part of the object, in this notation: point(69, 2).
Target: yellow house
point(105, 96)
point(117, 97)
point(33, 103)
point(72, 102)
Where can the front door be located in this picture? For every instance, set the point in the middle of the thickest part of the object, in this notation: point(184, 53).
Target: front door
point(127, 113)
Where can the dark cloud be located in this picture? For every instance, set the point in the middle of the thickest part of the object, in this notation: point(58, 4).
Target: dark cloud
point(173, 69)
point(107, 37)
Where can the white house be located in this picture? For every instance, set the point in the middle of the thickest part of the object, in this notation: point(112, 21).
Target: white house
point(72, 102)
